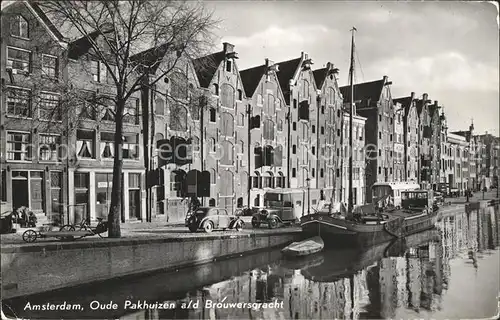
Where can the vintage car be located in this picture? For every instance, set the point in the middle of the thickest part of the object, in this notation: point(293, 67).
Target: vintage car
point(438, 198)
point(285, 206)
point(6, 222)
point(210, 218)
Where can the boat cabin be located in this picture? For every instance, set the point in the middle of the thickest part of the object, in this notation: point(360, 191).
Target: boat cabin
point(416, 199)
point(390, 192)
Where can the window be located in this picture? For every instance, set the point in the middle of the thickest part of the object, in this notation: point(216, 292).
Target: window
point(313, 172)
point(18, 102)
point(107, 144)
point(294, 149)
point(227, 181)
point(19, 60)
point(108, 111)
point(49, 147)
point(95, 71)
point(322, 109)
point(227, 157)
point(268, 129)
point(322, 130)
point(321, 173)
point(212, 145)
point(18, 146)
point(19, 27)
point(390, 137)
point(130, 113)
point(280, 125)
point(313, 128)
point(86, 105)
point(294, 172)
point(294, 126)
point(178, 85)
point(241, 119)
point(215, 89)
point(130, 148)
point(3, 186)
point(379, 170)
point(108, 75)
point(50, 107)
point(379, 117)
point(85, 144)
point(178, 118)
point(227, 99)
point(49, 66)
point(160, 107)
point(240, 94)
point(295, 103)
point(269, 107)
point(229, 66)
point(338, 112)
point(305, 89)
point(212, 115)
point(227, 126)
point(380, 135)
point(338, 132)
point(337, 173)
point(313, 150)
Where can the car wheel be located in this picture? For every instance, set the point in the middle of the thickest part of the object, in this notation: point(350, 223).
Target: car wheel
point(29, 236)
point(255, 222)
point(208, 226)
point(238, 226)
point(273, 223)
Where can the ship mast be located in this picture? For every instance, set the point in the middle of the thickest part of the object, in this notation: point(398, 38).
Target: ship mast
point(351, 85)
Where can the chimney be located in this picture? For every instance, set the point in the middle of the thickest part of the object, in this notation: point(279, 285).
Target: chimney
point(329, 65)
point(269, 63)
point(424, 97)
point(412, 96)
point(436, 103)
point(385, 78)
point(228, 48)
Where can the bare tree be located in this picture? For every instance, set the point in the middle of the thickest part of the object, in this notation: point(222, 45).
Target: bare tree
point(126, 28)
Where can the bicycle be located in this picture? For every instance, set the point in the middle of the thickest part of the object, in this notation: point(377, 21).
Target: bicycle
point(85, 226)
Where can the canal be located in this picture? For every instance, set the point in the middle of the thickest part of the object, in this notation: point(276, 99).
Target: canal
point(449, 272)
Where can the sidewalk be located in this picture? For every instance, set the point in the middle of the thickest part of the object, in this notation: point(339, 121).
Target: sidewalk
point(477, 196)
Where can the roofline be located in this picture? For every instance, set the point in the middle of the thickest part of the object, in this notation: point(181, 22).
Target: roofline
point(61, 42)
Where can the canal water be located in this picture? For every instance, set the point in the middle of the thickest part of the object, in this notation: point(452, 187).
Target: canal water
point(449, 272)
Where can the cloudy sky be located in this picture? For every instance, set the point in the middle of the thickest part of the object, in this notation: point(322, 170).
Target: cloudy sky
point(446, 49)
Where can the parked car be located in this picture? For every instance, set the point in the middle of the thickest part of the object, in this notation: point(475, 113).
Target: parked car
point(438, 198)
point(6, 222)
point(210, 218)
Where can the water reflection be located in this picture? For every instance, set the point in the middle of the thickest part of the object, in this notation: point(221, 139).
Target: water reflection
point(408, 278)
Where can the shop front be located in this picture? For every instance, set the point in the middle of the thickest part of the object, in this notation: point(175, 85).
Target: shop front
point(91, 198)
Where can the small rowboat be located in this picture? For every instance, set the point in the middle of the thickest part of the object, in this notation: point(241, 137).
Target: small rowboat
point(304, 248)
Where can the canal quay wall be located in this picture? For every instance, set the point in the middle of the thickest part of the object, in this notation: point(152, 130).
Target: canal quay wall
point(40, 267)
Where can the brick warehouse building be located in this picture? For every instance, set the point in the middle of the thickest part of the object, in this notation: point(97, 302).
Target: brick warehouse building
point(329, 133)
point(242, 133)
point(266, 150)
point(374, 102)
point(410, 136)
point(32, 69)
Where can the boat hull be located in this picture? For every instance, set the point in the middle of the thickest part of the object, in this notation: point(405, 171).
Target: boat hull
point(344, 233)
point(304, 248)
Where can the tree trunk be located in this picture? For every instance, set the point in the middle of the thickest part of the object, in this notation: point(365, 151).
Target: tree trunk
point(116, 191)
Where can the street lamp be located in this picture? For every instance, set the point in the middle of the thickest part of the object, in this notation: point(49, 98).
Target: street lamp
point(308, 183)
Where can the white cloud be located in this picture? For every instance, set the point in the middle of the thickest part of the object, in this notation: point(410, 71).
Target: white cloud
point(449, 70)
point(275, 36)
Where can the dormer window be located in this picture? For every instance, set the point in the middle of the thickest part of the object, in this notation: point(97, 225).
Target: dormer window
point(19, 27)
point(229, 66)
